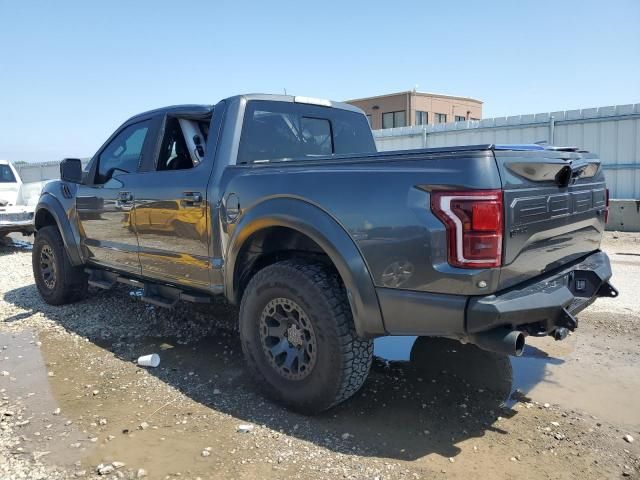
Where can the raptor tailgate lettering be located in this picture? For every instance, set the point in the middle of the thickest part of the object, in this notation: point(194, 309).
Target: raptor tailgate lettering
point(527, 210)
point(548, 227)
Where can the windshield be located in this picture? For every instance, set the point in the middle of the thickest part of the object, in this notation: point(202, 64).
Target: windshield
point(6, 175)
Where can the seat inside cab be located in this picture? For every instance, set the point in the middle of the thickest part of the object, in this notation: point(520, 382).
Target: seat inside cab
point(182, 144)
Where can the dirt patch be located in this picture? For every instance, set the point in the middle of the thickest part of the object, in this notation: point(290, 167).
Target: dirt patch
point(430, 408)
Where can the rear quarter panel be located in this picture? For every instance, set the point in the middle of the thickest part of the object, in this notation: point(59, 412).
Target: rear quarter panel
point(383, 203)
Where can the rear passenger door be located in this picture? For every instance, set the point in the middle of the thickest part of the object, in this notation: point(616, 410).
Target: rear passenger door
point(171, 212)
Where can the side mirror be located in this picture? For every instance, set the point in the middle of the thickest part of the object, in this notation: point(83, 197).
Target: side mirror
point(71, 170)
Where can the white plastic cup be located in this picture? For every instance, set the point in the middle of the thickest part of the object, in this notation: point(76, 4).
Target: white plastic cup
point(152, 360)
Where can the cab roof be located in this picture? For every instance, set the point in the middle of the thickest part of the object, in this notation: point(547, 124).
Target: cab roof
point(202, 110)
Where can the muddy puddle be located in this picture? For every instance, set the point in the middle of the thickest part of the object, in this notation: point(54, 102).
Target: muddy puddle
point(161, 419)
point(563, 373)
point(424, 396)
point(29, 402)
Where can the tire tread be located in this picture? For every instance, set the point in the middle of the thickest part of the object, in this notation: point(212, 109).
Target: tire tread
point(356, 353)
point(74, 284)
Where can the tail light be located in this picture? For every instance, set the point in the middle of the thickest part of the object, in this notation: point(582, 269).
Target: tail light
point(606, 207)
point(474, 222)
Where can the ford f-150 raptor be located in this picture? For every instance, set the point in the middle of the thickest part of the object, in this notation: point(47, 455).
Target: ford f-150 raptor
point(282, 205)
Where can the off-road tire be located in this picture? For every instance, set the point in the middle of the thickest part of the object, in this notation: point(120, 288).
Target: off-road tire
point(70, 283)
point(343, 359)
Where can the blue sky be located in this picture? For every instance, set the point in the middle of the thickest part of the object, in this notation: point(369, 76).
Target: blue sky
point(72, 71)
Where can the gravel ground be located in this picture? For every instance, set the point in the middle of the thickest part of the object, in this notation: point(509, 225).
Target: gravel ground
point(74, 404)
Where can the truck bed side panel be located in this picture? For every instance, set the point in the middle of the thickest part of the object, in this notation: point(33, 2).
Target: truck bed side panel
point(382, 201)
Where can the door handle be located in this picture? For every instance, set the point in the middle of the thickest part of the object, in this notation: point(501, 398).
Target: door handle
point(191, 199)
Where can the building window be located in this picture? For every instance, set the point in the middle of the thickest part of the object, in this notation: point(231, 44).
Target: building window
point(422, 118)
point(441, 118)
point(461, 118)
point(370, 120)
point(394, 119)
point(475, 119)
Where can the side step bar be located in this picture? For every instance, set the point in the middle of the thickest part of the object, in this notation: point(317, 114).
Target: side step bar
point(101, 279)
point(103, 284)
point(157, 294)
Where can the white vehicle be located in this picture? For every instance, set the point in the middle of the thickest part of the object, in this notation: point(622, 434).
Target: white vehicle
point(17, 201)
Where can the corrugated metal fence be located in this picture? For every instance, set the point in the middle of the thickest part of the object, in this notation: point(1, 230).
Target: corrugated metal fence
point(37, 172)
point(611, 132)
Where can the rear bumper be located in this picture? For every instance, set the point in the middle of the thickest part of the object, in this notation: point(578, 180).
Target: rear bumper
point(549, 302)
point(539, 306)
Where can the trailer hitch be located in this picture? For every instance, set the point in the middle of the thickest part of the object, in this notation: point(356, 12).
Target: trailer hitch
point(564, 324)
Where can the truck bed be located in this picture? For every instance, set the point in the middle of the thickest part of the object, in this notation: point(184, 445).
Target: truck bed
point(382, 200)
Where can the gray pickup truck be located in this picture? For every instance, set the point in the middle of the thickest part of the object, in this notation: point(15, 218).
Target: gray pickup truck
point(282, 205)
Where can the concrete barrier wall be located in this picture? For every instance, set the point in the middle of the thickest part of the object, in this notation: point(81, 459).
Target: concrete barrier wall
point(624, 216)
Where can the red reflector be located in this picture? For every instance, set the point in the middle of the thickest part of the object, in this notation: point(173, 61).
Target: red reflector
point(480, 246)
point(486, 216)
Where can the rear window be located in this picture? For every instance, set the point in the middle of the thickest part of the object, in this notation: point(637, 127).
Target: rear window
point(281, 130)
point(6, 175)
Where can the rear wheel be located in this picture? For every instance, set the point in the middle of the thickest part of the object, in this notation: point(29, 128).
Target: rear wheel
point(58, 281)
point(299, 339)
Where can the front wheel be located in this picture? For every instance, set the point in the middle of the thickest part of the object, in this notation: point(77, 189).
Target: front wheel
point(299, 339)
point(58, 281)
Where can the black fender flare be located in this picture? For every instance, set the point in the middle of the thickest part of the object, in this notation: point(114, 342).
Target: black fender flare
point(70, 237)
point(323, 229)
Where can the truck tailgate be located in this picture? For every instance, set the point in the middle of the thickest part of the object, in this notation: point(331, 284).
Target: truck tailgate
point(555, 204)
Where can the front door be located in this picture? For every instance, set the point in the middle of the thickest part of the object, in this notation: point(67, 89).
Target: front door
point(171, 213)
point(105, 202)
